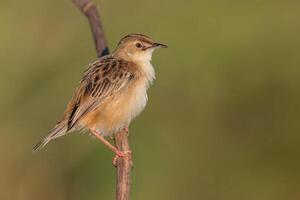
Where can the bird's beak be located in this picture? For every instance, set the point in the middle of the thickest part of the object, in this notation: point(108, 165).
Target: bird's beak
point(158, 45)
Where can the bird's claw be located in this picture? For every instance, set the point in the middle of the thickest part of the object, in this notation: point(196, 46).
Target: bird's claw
point(126, 129)
point(122, 154)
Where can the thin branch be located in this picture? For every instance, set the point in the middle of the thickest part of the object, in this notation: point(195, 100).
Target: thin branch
point(124, 165)
point(91, 12)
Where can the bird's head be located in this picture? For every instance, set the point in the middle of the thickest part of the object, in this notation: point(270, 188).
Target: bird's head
point(137, 48)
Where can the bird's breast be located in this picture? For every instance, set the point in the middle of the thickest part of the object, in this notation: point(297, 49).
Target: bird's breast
point(117, 111)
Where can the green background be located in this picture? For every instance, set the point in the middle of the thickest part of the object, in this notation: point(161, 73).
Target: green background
point(222, 120)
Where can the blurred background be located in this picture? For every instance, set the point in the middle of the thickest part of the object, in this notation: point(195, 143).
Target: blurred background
point(222, 120)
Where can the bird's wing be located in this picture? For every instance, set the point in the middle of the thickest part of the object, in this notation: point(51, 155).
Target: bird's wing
point(102, 79)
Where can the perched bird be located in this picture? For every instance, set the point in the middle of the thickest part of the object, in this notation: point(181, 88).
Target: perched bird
point(112, 92)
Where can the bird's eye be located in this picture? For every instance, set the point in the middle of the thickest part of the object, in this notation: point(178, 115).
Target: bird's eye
point(138, 45)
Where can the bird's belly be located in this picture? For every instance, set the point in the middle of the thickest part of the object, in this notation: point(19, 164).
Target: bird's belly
point(117, 112)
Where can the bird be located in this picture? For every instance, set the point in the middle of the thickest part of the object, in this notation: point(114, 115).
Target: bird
point(111, 93)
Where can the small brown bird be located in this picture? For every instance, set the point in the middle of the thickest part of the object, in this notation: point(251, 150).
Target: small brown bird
point(112, 92)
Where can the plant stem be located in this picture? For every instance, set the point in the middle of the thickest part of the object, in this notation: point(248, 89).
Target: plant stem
point(121, 139)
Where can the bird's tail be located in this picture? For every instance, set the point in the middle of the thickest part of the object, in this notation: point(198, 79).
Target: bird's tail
point(59, 130)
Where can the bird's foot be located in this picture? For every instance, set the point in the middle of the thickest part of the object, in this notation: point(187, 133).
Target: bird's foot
point(126, 129)
point(122, 154)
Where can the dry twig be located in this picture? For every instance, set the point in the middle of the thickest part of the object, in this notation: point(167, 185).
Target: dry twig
point(121, 139)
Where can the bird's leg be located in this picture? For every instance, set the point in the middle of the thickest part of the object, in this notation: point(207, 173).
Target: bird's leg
point(123, 154)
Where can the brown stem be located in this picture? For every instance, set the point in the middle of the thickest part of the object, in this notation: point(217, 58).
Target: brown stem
point(91, 12)
point(124, 164)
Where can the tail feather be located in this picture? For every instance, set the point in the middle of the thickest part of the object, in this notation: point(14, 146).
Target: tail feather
point(41, 144)
point(59, 130)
